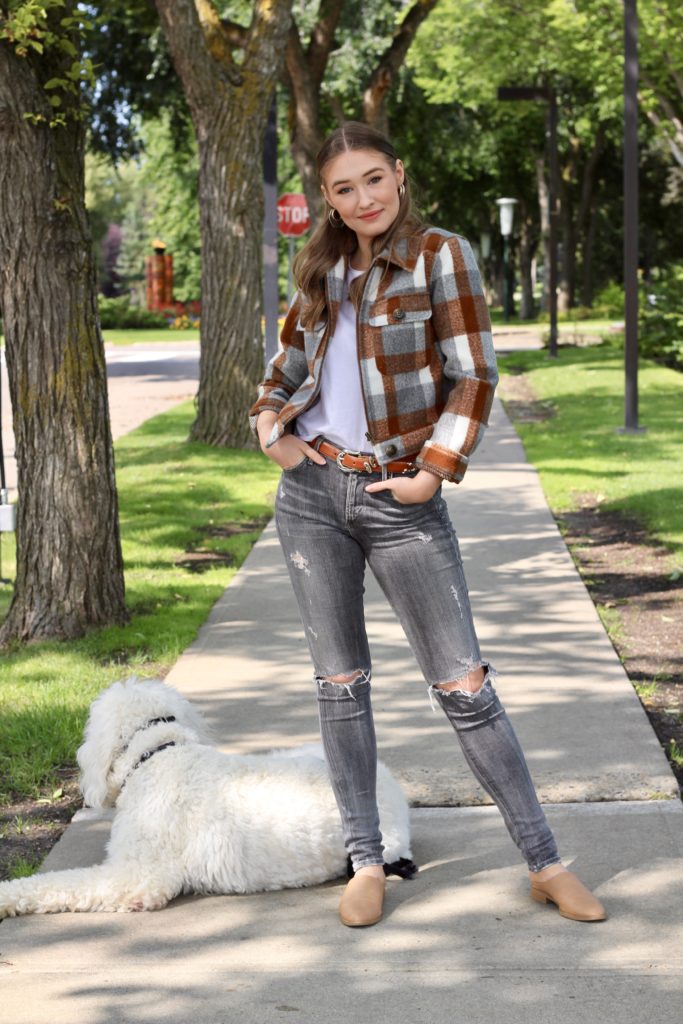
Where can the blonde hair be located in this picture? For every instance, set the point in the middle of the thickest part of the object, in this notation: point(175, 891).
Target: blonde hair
point(330, 241)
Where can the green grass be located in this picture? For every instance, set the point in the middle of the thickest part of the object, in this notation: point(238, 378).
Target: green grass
point(22, 867)
point(152, 335)
point(579, 450)
point(565, 321)
point(148, 335)
point(170, 491)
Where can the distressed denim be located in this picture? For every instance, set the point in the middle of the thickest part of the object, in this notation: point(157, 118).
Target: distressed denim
point(329, 527)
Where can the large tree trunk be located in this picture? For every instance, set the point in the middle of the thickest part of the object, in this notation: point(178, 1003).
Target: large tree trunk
point(69, 565)
point(229, 103)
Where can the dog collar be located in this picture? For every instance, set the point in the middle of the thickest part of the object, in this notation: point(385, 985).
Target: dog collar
point(148, 753)
point(147, 725)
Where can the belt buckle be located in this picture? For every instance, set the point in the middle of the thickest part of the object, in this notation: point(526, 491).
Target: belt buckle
point(340, 456)
point(370, 464)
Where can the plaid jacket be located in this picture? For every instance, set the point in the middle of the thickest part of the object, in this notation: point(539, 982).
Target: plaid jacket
point(427, 364)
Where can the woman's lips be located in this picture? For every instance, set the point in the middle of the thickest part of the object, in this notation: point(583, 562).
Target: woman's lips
point(370, 216)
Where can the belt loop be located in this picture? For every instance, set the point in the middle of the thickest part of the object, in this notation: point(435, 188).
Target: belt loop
point(385, 473)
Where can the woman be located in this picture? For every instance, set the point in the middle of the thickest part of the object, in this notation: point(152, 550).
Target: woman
point(381, 390)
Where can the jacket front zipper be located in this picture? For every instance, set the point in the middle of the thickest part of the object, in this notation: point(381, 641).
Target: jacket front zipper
point(326, 342)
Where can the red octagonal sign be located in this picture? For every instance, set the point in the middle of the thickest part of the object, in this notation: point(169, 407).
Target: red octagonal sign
point(292, 214)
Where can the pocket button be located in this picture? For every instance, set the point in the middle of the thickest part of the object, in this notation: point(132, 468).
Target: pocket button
point(399, 314)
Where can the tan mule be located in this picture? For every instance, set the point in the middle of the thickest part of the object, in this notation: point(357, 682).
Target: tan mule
point(570, 896)
point(362, 901)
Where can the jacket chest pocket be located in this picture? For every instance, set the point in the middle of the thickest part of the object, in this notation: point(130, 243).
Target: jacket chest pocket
point(402, 332)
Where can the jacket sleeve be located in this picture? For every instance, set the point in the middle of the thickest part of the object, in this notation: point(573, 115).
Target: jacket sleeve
point(463, 331)
point(286, 371)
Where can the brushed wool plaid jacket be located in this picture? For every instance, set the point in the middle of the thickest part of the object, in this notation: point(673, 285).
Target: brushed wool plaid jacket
point(427, 364)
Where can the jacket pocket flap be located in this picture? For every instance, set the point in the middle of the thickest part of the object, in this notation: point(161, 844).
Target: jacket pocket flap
point(400, 309)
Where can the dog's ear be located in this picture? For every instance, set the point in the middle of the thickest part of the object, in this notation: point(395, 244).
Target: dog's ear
point(96, 753)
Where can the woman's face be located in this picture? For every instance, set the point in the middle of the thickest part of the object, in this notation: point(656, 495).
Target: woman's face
point(363, 187)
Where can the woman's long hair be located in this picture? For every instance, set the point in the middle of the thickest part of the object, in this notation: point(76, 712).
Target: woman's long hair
point(328, 242)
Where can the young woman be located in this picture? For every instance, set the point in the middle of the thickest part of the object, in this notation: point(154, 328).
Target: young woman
point(382, 390)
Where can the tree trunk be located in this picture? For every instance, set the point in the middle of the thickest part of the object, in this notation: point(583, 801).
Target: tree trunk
point(69, 565)
point(544, 216)
point(567, 267)
point(527, 248)
point(304, 119)
point(586, 215)
point(304, 71)
point(382, 78)
point(588, 287)
point(229, 102)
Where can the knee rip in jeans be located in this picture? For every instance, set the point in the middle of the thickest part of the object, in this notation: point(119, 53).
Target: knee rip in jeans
point(463, 691)
point(345, 680)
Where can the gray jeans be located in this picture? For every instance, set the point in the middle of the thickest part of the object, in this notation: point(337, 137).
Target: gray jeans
point(329, 526)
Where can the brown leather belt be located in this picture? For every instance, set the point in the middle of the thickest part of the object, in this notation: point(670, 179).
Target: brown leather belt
point(358, 462)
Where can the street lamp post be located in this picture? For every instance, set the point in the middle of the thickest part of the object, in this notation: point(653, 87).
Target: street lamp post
point(506, 208)
point(631, 220)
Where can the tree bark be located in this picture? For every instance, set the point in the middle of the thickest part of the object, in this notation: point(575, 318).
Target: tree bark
point(69, 565)
point(303, 74)
point(382, 78)
point(229, 102)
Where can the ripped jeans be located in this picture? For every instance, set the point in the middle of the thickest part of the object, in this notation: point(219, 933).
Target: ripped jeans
point(329, 526)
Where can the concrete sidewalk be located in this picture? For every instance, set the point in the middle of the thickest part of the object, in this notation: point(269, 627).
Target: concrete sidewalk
point(462, 941)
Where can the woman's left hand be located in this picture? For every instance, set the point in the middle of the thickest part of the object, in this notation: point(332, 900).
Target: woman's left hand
point(409, 490)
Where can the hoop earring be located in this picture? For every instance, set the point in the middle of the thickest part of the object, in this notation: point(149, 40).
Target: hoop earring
point(334, 221)
point(401, 190)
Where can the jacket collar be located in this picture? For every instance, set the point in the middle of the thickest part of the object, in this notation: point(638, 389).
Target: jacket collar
point(404, 253)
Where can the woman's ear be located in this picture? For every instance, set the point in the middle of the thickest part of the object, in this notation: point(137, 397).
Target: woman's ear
point(400, 173)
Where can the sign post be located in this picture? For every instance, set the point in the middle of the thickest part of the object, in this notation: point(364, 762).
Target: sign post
point(293, 220)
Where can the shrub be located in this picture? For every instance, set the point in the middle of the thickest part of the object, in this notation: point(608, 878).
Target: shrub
point(609, 302)
point(660, 317)
point(118, 313)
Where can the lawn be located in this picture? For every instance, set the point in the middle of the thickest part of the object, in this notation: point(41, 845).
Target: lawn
point(173, 496)
point(578, 450)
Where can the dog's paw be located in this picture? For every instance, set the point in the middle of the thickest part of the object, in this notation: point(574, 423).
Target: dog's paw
point(146, 903)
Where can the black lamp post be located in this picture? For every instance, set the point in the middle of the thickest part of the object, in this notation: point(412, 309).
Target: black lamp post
point(630, 220)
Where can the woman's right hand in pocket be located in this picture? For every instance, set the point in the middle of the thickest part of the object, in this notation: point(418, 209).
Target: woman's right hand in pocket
point(289, 450)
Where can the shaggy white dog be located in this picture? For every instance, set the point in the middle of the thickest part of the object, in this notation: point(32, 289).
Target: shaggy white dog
point(190, 819)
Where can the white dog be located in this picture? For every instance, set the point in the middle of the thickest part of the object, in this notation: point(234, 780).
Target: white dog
point(190, 819)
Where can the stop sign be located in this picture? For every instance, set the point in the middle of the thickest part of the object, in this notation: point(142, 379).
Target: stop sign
point(292, 214)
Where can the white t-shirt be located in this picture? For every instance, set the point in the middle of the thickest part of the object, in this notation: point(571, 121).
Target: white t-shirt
point(339, 412)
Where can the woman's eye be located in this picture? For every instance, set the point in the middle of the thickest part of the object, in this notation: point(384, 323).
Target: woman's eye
point(377, 177)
